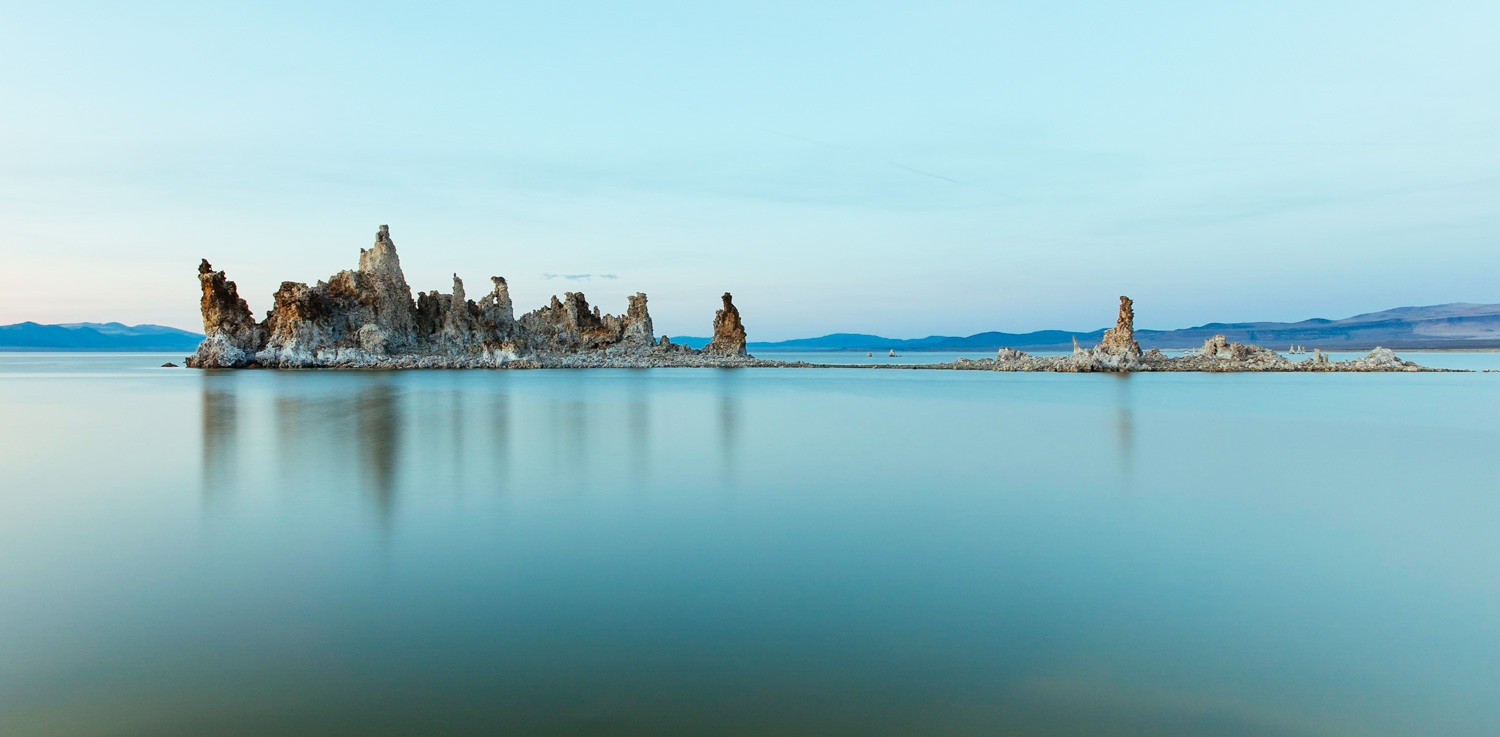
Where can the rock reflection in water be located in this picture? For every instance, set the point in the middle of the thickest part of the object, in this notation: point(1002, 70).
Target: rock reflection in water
point(304, 437)
point(1124, 428)
point(729, 411)
point(377, 410)
point(219, 421)
point(638, 428)
point(495, 432)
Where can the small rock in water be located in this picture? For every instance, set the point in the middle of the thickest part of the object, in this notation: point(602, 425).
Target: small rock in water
point(169, 364)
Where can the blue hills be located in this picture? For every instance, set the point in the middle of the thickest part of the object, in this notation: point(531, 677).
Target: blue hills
point(1457, 325)
point(95, 336)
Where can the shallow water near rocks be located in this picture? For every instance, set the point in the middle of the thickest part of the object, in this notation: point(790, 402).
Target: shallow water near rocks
point(745, 552)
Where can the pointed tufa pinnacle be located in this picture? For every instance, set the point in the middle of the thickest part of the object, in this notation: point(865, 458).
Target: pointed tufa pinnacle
point(729, 332)
point(638, 329)
point(1120, 340)
point(499, 300)
point(366, 317)
point(231, 334)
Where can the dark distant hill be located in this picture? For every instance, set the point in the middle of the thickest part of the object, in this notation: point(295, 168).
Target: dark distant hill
point(1456, 325)
point(94, 336)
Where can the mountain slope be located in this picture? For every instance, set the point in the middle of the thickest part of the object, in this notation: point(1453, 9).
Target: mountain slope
point(30, 336)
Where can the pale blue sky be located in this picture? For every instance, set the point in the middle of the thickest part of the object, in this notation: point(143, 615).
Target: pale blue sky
point(899, 168)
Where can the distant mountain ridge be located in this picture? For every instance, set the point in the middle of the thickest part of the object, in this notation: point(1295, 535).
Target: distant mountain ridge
point(1454, 325)
point(95, 336)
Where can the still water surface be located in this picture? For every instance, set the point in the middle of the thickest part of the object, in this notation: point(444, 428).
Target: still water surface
point(745, 552)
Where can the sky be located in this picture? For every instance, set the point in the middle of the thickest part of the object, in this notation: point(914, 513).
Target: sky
point(905, 169)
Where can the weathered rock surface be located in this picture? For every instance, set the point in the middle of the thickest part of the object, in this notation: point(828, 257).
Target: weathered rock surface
point(1119, 352)
point(1120, 340)
point(232, 337)
point(569, 326)
point(368, 319)
point(729, 332)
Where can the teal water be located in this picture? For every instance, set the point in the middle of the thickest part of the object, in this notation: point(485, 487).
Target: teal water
point(745, 552)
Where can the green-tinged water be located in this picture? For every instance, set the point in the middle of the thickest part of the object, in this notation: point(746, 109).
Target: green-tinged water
point(745, 552)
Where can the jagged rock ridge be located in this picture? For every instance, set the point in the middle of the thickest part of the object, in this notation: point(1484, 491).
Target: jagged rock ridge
point(231, 335)
point(367, 318)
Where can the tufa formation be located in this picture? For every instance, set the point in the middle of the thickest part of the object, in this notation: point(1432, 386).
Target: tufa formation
point(729, 332)
point(1120, 340)
point(368, 319)
point(1118, 351)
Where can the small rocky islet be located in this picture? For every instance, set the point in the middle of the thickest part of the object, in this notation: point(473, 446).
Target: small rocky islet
point(366, 318)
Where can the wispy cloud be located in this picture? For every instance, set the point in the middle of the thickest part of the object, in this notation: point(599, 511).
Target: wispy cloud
point(579, 277)
point(915, 170)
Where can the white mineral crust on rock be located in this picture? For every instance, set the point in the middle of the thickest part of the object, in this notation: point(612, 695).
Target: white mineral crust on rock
point(368, 319)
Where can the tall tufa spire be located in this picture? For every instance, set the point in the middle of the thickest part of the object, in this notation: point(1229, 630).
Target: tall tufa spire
point(1120, 339)
point(729, 332)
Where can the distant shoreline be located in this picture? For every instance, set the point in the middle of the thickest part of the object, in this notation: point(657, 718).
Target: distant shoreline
point(176, 351)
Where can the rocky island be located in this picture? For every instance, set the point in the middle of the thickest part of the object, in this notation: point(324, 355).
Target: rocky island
point(1119, 351)
point(367, 318)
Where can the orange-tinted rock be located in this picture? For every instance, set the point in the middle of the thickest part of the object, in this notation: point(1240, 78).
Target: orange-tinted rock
point(729, 331)
point(367, 317)
point(231, 334)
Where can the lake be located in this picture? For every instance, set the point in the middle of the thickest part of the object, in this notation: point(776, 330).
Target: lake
point(746, 552)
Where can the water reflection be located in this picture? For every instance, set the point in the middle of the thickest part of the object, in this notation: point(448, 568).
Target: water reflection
point(220, 423)
point(937, 553)
point(569, 426)
point(638, 428)
point(497, 445)
point(1124, 429)
point(729, 411)
point(379, 423)
point(456, 430)
point(293, 444)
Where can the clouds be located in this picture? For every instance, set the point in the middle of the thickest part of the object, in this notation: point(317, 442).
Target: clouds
point(579, 277)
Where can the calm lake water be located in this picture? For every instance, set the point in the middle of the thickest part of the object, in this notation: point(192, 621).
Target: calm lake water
point(745, 552)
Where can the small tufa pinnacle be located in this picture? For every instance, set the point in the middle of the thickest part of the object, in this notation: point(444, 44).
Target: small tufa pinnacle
point(729, 331)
